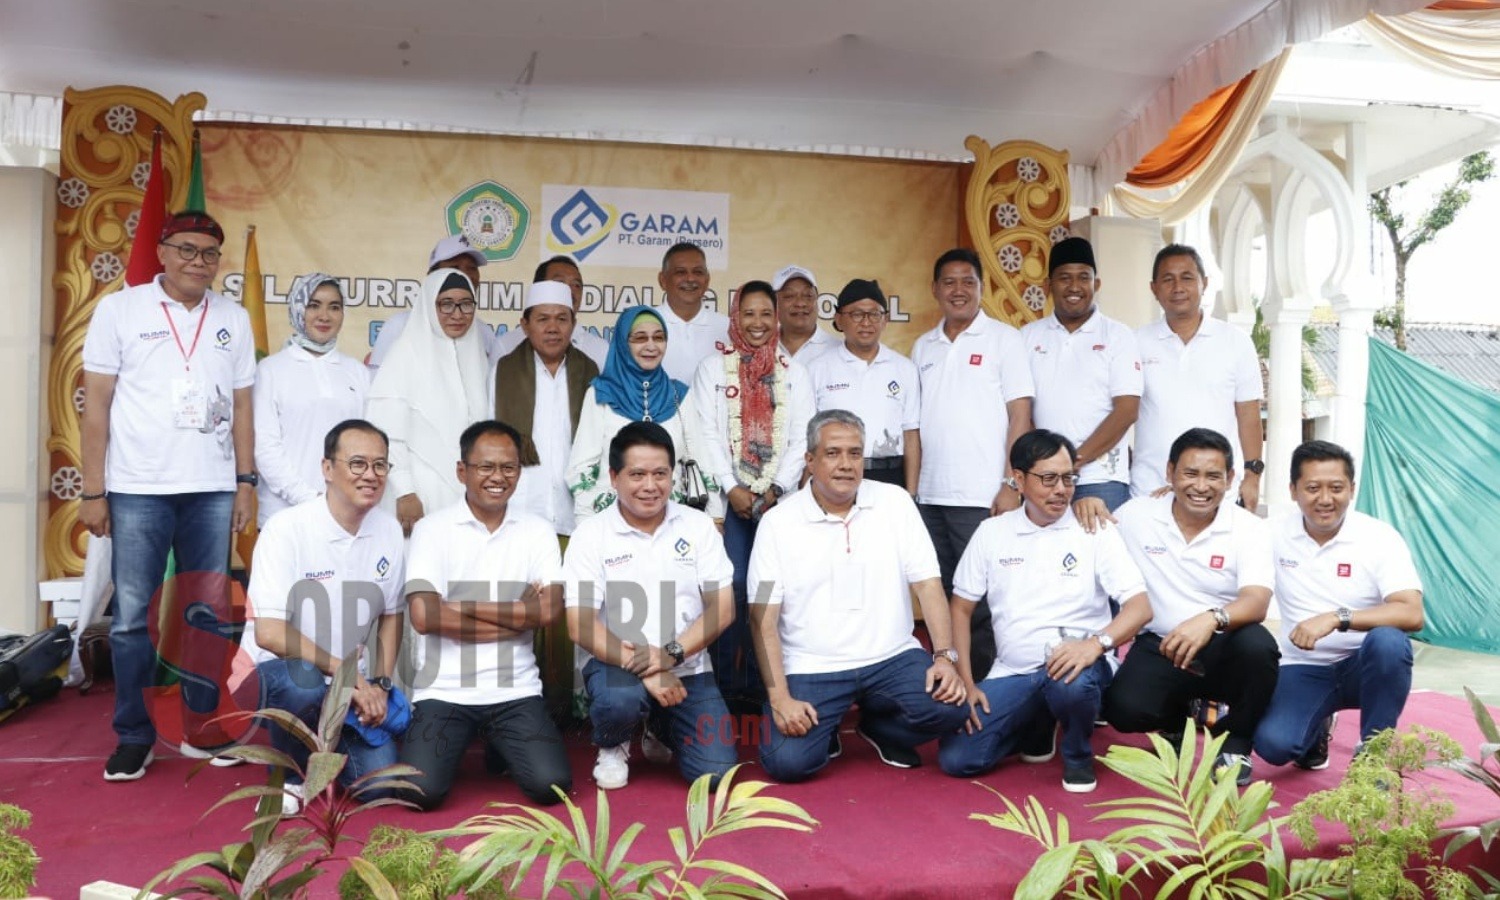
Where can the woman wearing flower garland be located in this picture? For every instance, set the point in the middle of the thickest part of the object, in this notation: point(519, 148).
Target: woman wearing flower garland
point(632, 387)
point(753, 406)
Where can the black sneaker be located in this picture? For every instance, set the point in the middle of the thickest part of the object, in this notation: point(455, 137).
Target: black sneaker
point(1079, 779)
point(1239, 762)
point(1316, 757)
point(835, 746)
point(1039, 744)
point(128, 762)
point(890, 754)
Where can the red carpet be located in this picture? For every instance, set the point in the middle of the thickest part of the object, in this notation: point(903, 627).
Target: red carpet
point(884, 833)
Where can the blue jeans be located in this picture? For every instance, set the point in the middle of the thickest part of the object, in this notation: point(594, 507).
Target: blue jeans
point(145, 527)
point(733, 655)
point(1375, 679)
point(895, 708)
point(297, 686)
point(618, 701)
point(1017, 703)
point(1113, 493)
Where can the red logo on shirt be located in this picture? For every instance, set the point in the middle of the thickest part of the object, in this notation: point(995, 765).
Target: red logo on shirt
point(1345, 570)
point(976, 359)
point(1137, 367)
point(1216, 562)
point(1098, 346)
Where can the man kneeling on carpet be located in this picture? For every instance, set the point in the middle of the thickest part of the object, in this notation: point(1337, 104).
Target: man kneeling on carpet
point(1048, 584)
point(649, 586)
point(326, 580)
point(482, 576)
point(831, 614)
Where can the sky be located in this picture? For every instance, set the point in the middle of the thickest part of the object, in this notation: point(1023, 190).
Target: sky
point(1441, 282)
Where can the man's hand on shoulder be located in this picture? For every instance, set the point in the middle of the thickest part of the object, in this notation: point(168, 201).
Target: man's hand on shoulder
point(1092, 514)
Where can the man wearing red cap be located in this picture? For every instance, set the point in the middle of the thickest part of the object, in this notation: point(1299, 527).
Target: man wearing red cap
point(168, 461)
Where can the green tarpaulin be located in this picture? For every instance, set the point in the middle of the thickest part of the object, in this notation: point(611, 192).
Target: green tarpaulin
point(1432, 469)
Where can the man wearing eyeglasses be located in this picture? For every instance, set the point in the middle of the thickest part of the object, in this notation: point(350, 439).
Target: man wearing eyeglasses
point(168, 462)
point(1198, 372)
point(482, 576)
point(326, 582)
point(1047, 584)
point(875, 383)
point(797, 312)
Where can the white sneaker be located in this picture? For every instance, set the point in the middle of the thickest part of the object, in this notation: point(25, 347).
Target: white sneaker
point(291, 799)
point(222, 762)
point(612, 769)
point(654, 748)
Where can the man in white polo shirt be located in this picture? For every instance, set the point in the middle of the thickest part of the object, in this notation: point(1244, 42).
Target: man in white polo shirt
point(564, 270)
point(1048, 584)
point(797, 311)
point(693, 330)
point(649, 588)
point(976, 400)
point(831, 578)
point(327, 580)
point(1198, 372)
point(874, 382)
point(1207, 565)
point(1087, 374)
point(481, 577)
point(168, 464)
point(1349, 597)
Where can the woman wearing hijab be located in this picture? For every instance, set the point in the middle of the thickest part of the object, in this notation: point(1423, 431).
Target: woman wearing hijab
point(753, 405)
point(432, 385)
point(632, 387)
point(301, 392)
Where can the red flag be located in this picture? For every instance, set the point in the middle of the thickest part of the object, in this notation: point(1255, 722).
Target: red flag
point(144, 265)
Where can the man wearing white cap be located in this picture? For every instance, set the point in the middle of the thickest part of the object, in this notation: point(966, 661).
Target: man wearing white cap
point(452, 252)
point(564, 270)
point(797, 308)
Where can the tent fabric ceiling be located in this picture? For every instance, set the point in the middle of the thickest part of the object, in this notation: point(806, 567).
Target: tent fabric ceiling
point(1105, 81)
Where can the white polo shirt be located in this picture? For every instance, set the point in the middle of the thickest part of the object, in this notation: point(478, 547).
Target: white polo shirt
point(689, 342)
point(884, 392)
point(1185, 578)
point(650, 586)
point(1043, 584)
point(299, 397)
point(1192, 385)
point(1366, 562)
point(131, 337)
point(1077, 376)
point(330, 585)
point(591, 345)
point(843, 584)
point(456, 555)
point(965, 386)
point(820, 342)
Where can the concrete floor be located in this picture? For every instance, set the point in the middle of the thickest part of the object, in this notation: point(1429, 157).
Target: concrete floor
point(1450, 671)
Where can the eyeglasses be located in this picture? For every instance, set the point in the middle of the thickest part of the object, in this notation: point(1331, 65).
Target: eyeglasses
point(449, 307)
point(189, 253)
point(489, 469)
point(358, 465)
point(862, 316)
point(1050, 479)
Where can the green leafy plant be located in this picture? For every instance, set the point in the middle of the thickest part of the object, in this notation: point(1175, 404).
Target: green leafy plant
point(417, 867)
point(284, 854)
point(1393, 822)
point(1193, 834)
point(591, 862)
point(18, 859)
point(1480, 771)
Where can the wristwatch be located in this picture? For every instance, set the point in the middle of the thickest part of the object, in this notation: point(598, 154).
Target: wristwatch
point(250, 478)
point(947, 653)
point(1221, 619)
point(383, 682)
point(674, 650)
point(1255, 466)
point(1105, 641)
point(1344, 618)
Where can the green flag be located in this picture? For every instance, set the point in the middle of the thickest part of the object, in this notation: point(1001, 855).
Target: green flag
point(195, 198)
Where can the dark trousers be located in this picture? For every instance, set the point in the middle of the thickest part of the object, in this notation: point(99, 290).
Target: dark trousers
point(519, 732)
point(733, 653)
point(1239, 668)
point(950, 528)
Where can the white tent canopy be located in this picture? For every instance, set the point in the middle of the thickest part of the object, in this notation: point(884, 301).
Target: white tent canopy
point(1105, 81)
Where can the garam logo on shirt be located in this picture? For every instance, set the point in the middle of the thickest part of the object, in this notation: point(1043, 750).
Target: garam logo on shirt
point(1070, 565)
point(221, 338)
point(893, 390)
point(683, 548)
point(382, 567)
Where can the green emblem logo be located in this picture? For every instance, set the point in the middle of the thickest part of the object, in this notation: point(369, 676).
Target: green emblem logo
point(493, 218)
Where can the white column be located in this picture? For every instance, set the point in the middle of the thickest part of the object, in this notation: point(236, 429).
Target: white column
point(1284, 405)
point(1356, 323)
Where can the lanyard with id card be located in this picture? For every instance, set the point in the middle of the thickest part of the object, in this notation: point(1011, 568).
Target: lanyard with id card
point(189, 395)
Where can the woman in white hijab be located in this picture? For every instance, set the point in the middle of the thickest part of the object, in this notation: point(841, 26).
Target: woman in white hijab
point(301, 392)
point(432, 386)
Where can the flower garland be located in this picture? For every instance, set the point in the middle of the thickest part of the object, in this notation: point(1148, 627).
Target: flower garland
point(779, 404)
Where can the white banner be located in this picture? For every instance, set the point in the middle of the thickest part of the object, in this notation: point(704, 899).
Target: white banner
point(609, 226)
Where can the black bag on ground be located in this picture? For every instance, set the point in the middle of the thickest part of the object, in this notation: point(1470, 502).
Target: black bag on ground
point(33, 668)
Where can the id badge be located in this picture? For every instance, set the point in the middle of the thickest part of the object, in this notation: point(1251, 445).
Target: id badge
point(848, 586)
point(189, 404)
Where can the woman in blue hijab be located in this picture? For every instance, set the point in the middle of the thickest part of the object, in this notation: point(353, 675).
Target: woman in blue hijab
point(632, 387)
